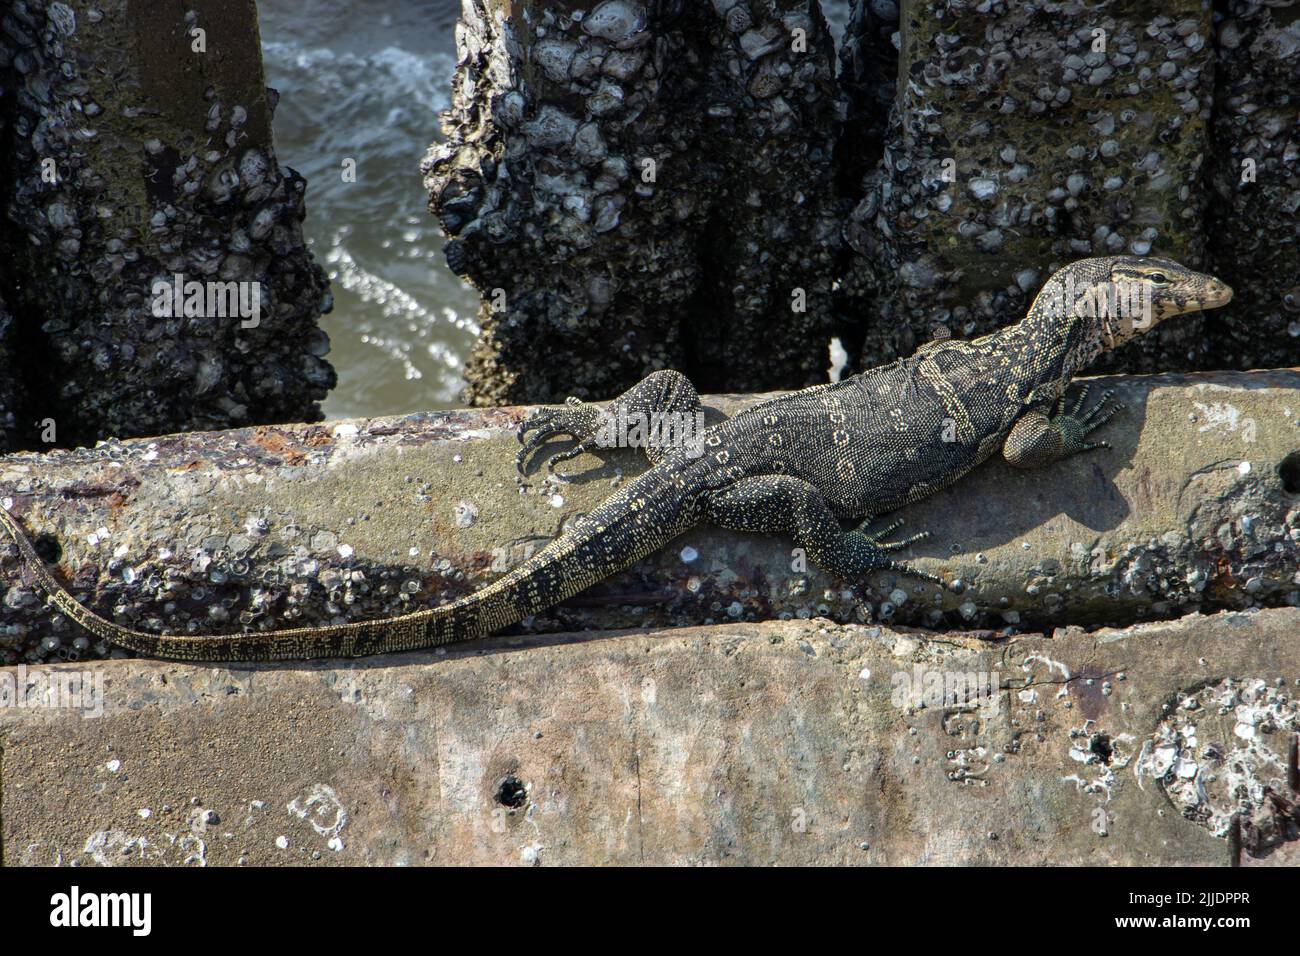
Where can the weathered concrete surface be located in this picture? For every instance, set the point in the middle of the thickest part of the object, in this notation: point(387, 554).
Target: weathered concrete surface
point(138, 148)
point(274, 527)
point(747, 743)
point(636, 186)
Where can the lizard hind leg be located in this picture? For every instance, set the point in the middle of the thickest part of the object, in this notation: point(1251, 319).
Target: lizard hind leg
point(783, 504)
point(655, 414)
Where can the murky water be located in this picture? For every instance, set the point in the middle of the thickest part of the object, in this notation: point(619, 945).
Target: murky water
point(364, 80)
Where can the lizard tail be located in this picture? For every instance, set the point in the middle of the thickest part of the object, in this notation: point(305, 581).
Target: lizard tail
point(629, 525)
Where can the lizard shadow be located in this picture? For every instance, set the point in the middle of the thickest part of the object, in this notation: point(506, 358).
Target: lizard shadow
point(993, 505)
point(997, 503)
point(508, 642)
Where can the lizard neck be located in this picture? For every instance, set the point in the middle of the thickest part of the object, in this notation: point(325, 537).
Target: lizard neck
point(1056, 340)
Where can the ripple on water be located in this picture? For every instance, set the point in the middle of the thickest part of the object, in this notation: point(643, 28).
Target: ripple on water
point(364, 80)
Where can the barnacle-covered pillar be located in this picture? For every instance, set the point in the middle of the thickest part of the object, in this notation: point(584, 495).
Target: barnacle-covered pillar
point(869, 81)
point(1255, 185)
point(634, 186)
point(1024, 136)
point(8, 384)
point(153, 253)
point(869, 78)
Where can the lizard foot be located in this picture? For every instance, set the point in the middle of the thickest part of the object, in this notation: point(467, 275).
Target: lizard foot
point(578, 420)
point(866, 552)
point(1076, 424)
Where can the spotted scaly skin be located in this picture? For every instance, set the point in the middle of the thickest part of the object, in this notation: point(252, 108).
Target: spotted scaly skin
point(798, 465)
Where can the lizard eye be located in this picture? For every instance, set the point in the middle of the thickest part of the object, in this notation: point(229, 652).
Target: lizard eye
point(1158, 277)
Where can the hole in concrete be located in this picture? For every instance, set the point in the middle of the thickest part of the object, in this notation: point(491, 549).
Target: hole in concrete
point(1289, 471)
point(1101, 746)
point(512, 793)
point(48, 547)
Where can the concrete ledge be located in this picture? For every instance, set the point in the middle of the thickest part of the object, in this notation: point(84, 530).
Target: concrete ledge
point(785, 742)
point(282, 526)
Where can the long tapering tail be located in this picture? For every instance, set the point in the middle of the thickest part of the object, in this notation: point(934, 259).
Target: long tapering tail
point(632, 523)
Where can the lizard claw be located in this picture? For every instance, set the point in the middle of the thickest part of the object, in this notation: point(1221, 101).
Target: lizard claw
point(898, 568)
point(870, 550)
point(545, 431)
point(574, 452)
point(577, 420)
point(535, 420)
point(876, 539)
point(1095, 417)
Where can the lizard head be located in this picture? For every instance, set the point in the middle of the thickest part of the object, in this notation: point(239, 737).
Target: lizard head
point(1172, 288)
point(1109, 300)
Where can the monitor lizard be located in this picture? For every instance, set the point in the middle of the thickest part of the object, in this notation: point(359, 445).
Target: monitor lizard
point(798, 464)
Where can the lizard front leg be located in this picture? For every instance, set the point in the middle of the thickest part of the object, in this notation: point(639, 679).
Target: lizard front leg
point(663, 403)
point(783, 504)
point(1036, 440)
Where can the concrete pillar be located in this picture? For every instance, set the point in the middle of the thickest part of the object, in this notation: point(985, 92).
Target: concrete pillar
point(632, 187)
point(1255, 185)
point(140, 138)
point(1021, 140)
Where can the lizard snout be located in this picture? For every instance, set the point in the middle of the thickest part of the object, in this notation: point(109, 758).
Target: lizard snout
point(1217, 293)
